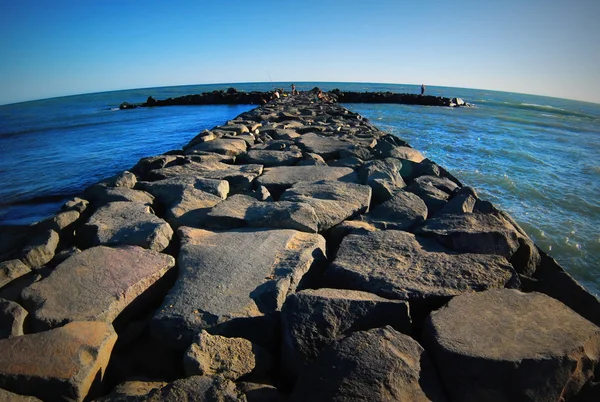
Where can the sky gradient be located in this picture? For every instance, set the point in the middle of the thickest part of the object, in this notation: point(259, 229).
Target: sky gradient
point(56, 48)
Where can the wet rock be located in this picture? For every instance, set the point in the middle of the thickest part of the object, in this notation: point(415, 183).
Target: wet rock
point(126, 223)
point(326, 147)
point(398, 265)
point(235, 274)
point(242, 210)
point(271, 158)
point(333, 201)
point(277, 179)
point(314, 319)
point(12, 317)
point(11, 270)
point(40, 249)
point(223, 146)
point(376, 365)
point(511, 346)
point(383, 176)
point(402, 212)
point(96, 284)
point(66, 363)
point(230, 358)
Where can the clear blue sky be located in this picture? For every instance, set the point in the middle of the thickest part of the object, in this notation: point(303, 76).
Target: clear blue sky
point(53, 48)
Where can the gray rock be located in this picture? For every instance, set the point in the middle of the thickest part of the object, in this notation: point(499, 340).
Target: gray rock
point(441, 183)
point(223, 146)
point(156, 162)
point(402, 212)
point(66, 363)
point(260, 392)
point(40, 249)
point(463, 201)
point(352, 162)
point(239, 177)
point(197, 389)
point(326, 147)
point(230, 358)
point(242, 210)
point(383, 176)
point(311, 160)
point(434, 198)
point(235, 128)
point(483, 234)
point(101, 195)
point(96, 284)
point(12, 317)
point(277, 179)
point(11, 270)
point(398, 265)
point(235, 274)
point(126, 223)
point(376, 365)
point(333, 201)
point(511, 346)
point(61, 221)
point(271, 158)
point(76, 204)
point(314, 319)
point(360, 152)
point(406, 153)
point(123, 179)
point(204, 136)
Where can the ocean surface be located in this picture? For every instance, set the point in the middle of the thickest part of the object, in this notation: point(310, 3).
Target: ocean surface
point(537, 158)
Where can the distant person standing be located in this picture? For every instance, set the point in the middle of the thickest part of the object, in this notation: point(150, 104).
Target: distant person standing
point(422, 89)
point(294, 92)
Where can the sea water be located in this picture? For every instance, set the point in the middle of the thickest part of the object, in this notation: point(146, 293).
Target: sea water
point(537, 158)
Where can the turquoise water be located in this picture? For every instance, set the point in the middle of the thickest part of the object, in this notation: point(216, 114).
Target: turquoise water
point(537, 158)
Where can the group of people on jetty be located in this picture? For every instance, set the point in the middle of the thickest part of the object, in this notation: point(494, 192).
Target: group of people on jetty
point(279, 92)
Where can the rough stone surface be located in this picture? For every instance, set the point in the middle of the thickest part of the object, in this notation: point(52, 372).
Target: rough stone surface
point(434, 198)
point(76, 204)
point(398, 265)
point(66, 363)
point(131, 390)
point(60, 221)
point(402, 212)
point(11, 270)
point(225, 275)
point(242, 210)
point(272, 158)
point(12, 317)
point(102, 195)
point(314, 319)
point(383, 176)
point(441, 183)
point(328, 148)
point(277, 179)
point(126, 223)
point(6, 396)
point(333, 201)
point(376, 365)
point(511, 346)
point(230, 358)
point(223, 146)
point(463, 201)
point(407, 153)
point(197, 389)
point(260, 392)
point(40, 249)
point(96, 284)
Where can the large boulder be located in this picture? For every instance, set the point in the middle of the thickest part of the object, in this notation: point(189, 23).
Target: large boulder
point(505, 345)
point(126, 223)
point(333, 201)
point(434, 198)
point(95, 285)
point(101, 195)
point(398, 265)
point(241, 210)
point(195, 388)
point(235, 274)
point(12, 317)
point(40, 249)
point(223, 146)
point(376, 365)
point(66, 363)
point(277, 179)
point(11, 270)
point(484, 234)
point(270, 158)
point(313, 319)
point(402, 212)
point(383, 176)
point(327, 147)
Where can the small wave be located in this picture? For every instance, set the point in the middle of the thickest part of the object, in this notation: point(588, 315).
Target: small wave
point(546, 109)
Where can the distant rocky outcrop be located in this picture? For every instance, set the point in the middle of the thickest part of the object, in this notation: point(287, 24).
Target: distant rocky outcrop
point(294, 253)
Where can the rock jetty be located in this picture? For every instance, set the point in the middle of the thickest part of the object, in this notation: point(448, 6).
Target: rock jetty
point(294, 253)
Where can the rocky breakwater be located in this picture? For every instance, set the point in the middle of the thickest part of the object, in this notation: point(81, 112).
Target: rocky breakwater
point(295, 253)
point(230, 97)
point(392, 97)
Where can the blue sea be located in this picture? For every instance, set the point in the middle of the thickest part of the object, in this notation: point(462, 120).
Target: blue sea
point(537, 158)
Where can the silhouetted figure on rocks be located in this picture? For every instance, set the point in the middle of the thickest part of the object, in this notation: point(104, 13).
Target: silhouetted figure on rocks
point(422, 89)
point(294, 92)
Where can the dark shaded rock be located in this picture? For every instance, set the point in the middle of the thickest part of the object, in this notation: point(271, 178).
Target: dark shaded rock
point(271, 158)
point(402, 212)
point(40, 249)
point(326, 147)
point(441, 183)
point(126, 223)
point(483, 234)
point(434, 198)
point(376, 365)
point(223, 146)
point(197, 389)
point(60, 222)
point(333, 201)
point(359, 152)
point(398, 265)
point(312, 160)
point(511, 346)
point(314, 319)
point(277, 179)
point(260, 392)
point(76, 204)
point(242, 210)
point(352, 162)
point(12, 317)
point(96, 284)
point(66, 363)
point(383, 176)
point(11, 270)
point(6, 396)
point(145, 165)
point(463, 201)
point(237, 274)
point(131, 391)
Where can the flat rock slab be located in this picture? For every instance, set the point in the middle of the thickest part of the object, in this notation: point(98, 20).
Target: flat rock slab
point(241, 210)
point(313, 319)
point(376, 365)
point(223, 146)
point(511, 346)
point(95, 284)
point(102, 195)
point(398, 265)
point(402, 212)
point(327, 147)
point(277, 179)
point(129, 223)
point(238, 176)
point(270, 158)
point(333, 201)
point(225, 275)
point(61, 364)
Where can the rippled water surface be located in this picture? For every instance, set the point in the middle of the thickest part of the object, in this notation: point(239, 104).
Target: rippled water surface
point(538, 158)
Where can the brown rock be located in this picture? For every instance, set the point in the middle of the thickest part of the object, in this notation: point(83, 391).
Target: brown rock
point(12, 317)
point(40, 249)
point(12, 269)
